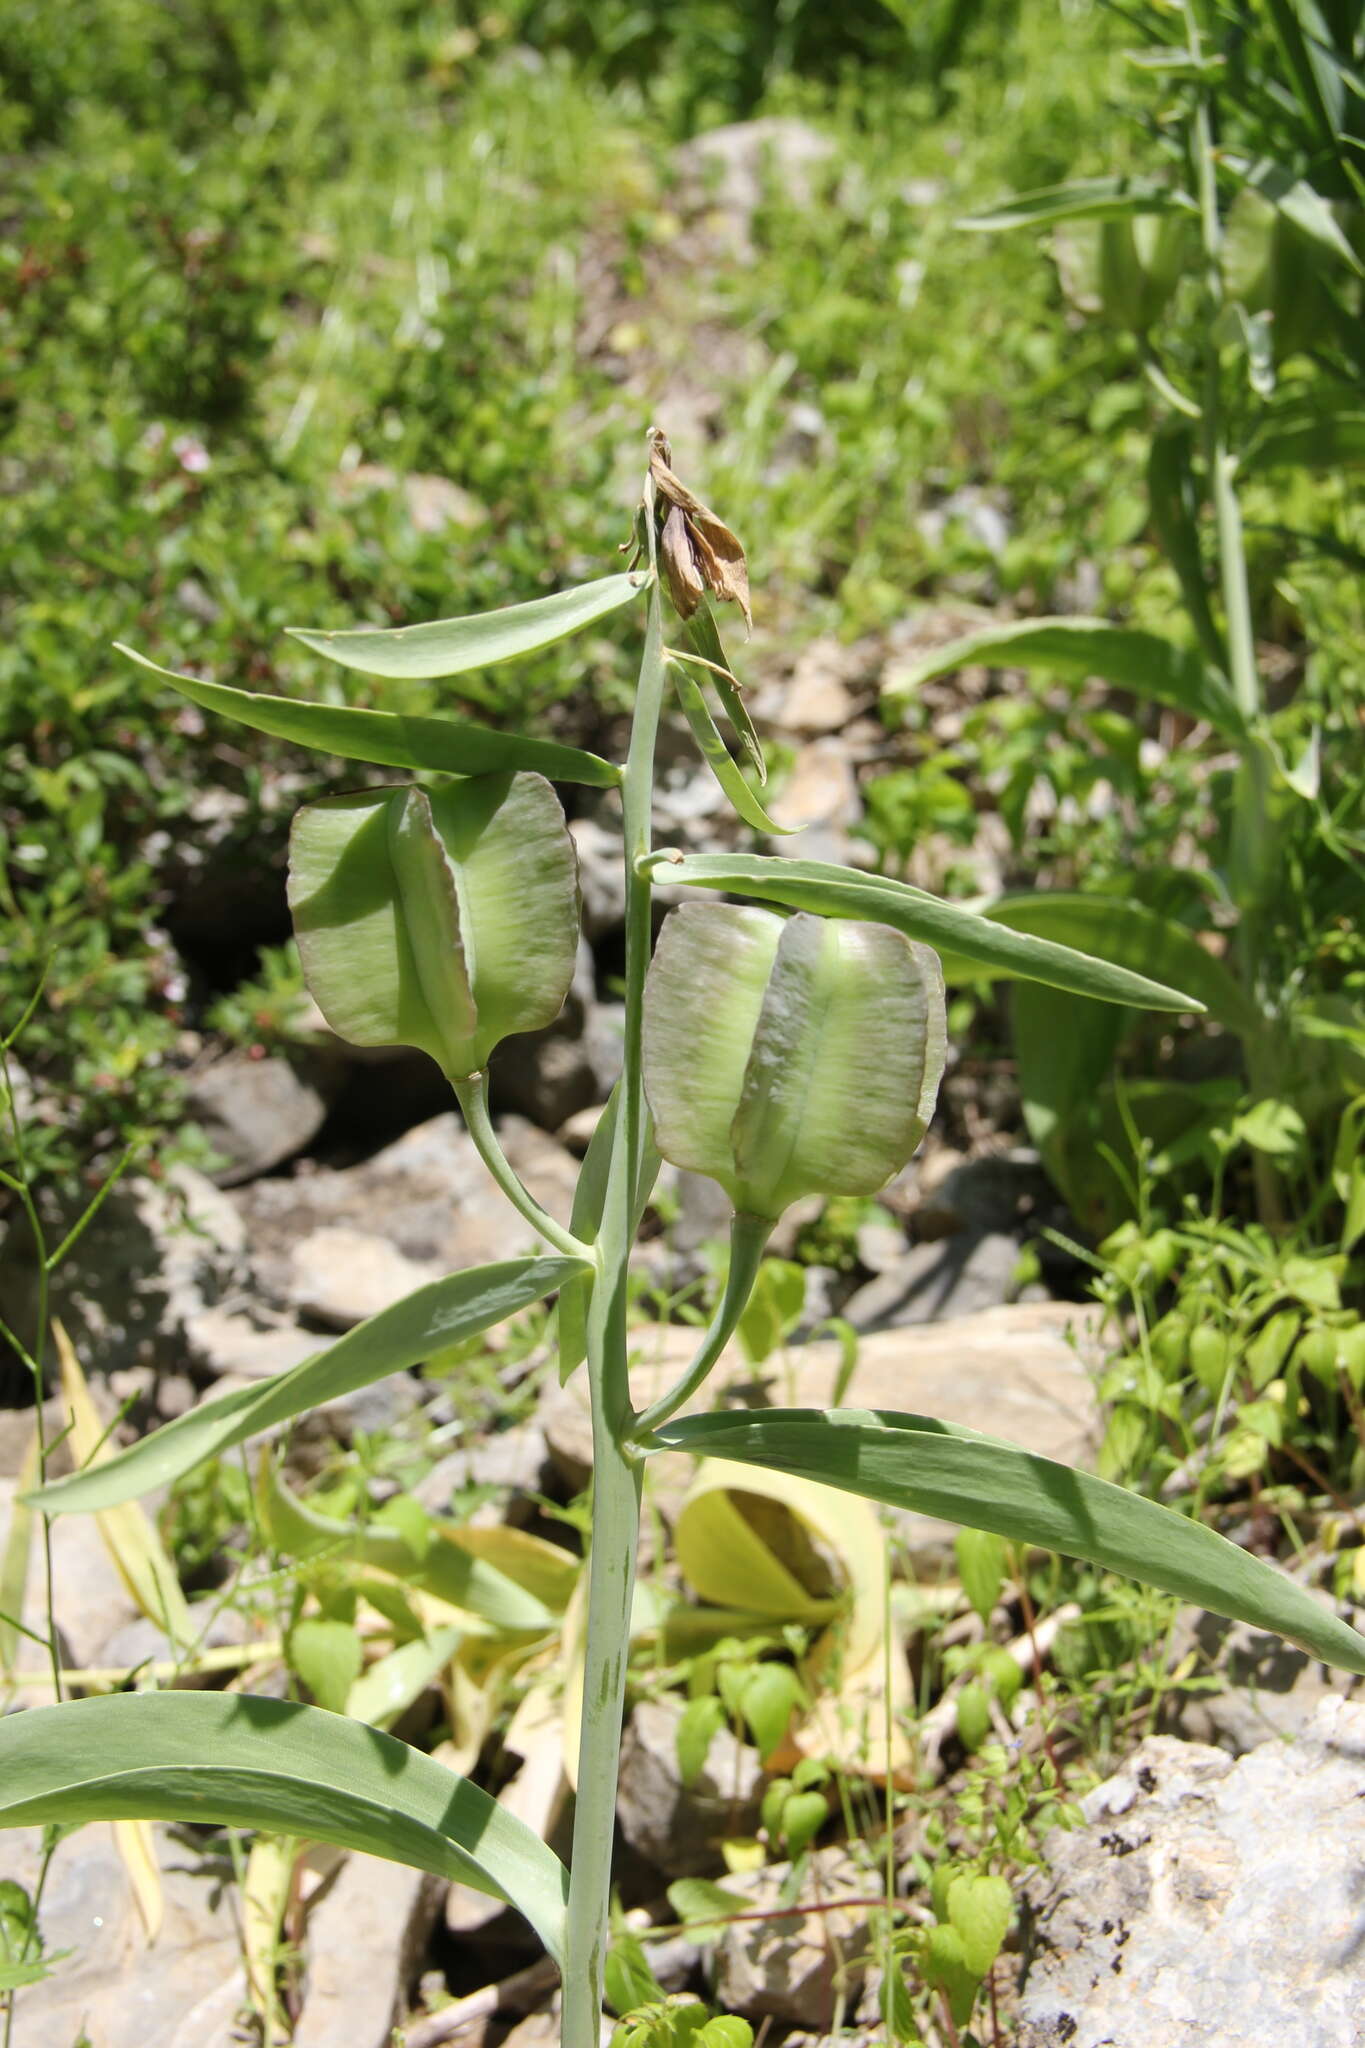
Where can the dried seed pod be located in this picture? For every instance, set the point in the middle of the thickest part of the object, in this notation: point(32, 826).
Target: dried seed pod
point(444, 919)
point(790, 1056)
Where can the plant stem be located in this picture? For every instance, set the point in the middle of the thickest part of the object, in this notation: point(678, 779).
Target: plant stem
point(472, 1096)
point(748, 1238)
point(1251, 850)
point(617, 1470)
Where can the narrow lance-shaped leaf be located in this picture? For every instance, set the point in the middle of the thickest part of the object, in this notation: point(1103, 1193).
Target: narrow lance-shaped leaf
point(398, 1338)
point(233, 1759)
point(1084, 199)
point(717, 755)
point(389, 739)
point(833, 891)
point(937, 1468)
point(704, 634)
point(450, 647)
point(1144, 663)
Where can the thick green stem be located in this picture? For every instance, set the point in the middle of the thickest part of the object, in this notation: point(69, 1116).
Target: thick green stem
point(472, 1096)
point(616, 1468)
point(748, 1238)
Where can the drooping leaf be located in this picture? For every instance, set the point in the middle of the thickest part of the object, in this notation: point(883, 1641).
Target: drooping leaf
point(832, 891)
point(938, 1468)
point(1083, 199)
point(704, 634)
point(235, 1759)
point(450, 647)
point(1144, 663)
point(398, 1338)
point(448, 746)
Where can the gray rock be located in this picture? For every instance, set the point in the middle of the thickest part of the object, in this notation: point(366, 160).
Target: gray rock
point(143, 1642)
point(677, 1827)
point(730, 170)
point(365, 1941)
point(1210, 1901)
point(1265, 1687)
point(90, 1600)
point(258, 1112)
point(513, 1458)
point(340, 1277)
point(428, 1195)
point(790, 1966)
point(158, 1254)
point(601, 876)
point(183, 1993)
point(933, 1283)
point(224, 1341)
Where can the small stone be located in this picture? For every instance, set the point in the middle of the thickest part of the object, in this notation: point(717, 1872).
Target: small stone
point(576, 1132)
point(258, 1112)
point(341, 1277)
point(1207, 1900)
point(90, 1599)
point(790, 1966)
point(112, 1989)
point(677, 1827)
point(366, 1938)
point(512, 1458)
point(822, 788)
point(817, 699)
point(601, 877)
point(935, 1283)
point(881, 1246)
point(223, 1342)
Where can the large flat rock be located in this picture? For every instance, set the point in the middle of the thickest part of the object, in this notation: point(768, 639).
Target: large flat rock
point(1210, 1903)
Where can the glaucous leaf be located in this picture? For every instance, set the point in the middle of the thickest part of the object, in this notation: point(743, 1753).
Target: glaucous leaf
point(938, 1468)
point(390, 739)
point(234, 1759)
point(450, 647)
point(398, 1338)
point(832, 891)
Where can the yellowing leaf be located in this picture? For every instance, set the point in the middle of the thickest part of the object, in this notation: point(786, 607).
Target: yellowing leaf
point(129, 1535)
point(136, 1846)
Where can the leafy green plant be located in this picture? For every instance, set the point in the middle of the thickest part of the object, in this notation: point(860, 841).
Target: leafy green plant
point(1256, 373)
point(780, 1053)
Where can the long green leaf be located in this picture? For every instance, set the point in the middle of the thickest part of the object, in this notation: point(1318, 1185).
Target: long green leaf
point(388, 738)
point(704, 634)
point(938, 1468)
point(1131, 935)
point(716, 754)
point(234, 1759)
point(1317, 87)
point(1146, 664)
point(1309, 440)
point(1303, 207)
point(399, 1337)
point(1173, 500)
point(1085, 199)
point(448, 647)
point(833, 891)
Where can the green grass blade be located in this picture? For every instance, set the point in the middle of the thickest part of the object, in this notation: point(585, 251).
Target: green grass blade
point(448, 647)
point(1084, 199)
point(1151, 667)
point(938, 1468)
point(396, 1339)
point(388, 738)
point(1324, 440)
point(235, 1759)
point(833, 891)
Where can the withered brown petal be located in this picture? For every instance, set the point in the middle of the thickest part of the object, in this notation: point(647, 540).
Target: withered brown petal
point(718, 553)
point(685, 581)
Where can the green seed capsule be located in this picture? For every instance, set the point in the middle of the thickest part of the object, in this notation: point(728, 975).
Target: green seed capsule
point(444, 919)
point(790, 1056)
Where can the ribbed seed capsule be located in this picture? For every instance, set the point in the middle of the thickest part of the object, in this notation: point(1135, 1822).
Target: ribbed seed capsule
point(790, 1056)
point(444, 919)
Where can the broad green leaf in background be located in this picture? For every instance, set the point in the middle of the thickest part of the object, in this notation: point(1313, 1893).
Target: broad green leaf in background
point(327, 1655)
point(1130, 935)
point(393, 1341)
point(393, 1682)
point(450, 647)
point(389, 739)
point(234, 1759)
point(938, 1468)
point(1084, 199)
point(717, 755)
point(1149, 666)
point(1306, 209)
point(832, 891)
point(1305, 438)
point(980, 1907)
